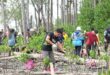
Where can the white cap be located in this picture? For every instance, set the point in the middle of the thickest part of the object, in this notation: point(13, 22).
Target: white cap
point(78, 28)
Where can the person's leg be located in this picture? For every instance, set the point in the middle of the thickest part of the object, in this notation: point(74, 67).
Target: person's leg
point(45, 54)
point(82, 43)
point(94, 46)
point(10, 52)
point(75, 51)
point(78, 50)
point(106, 46)
point(51, 56)
point(88, 48)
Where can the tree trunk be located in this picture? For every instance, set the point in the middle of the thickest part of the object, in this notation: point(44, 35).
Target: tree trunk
point(75, 11)
point(27, 13)
point(43, 17)
point(4, 15)
point(21, 26)
point(39, 22)
point(24, 20)
point(48, 28)
point(62, 11)
point(30, 21)
point(57, 11)
point(51, 18)
point(67, 12)
point(95, 2)
point(36, 11)
point(16, 24)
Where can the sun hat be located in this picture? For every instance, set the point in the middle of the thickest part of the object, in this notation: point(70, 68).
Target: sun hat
point(78, 28)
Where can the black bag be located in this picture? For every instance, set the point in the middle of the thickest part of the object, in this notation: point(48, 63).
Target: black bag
point(108, 34)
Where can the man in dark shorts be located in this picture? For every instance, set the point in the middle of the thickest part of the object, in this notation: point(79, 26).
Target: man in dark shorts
point(50, 40)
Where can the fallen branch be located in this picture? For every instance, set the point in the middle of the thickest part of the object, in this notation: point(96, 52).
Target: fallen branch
point(3, 58)
point(43, 73)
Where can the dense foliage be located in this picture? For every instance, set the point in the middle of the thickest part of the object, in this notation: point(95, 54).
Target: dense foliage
point(86, 16)
point(36, 41)
point(95, 16)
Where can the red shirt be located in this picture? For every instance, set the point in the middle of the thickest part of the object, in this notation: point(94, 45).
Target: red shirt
point(91, 38)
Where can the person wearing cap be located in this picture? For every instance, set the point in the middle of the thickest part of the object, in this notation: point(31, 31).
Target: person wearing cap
point(49, 44)
point(77, 40)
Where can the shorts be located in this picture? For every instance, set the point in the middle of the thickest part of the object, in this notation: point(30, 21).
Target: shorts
point(49, 54)
point(47, 48)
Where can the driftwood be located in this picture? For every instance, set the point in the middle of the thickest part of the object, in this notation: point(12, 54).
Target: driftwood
point(4, 58)
point(43, 73)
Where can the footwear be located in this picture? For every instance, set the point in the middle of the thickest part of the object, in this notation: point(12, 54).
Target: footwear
point(55, 69)
point(49, 70)
point(62, 51)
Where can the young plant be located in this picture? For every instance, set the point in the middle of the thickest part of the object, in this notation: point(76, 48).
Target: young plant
point(93, 54)
point(23, 57)
point(46, 61)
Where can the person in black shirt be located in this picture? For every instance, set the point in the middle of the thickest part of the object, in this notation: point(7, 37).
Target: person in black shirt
point(50, 40)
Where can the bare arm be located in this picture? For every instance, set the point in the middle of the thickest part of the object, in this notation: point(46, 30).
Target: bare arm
point(48, 40)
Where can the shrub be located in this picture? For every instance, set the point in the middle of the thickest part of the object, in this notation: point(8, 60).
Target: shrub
point(4, 48)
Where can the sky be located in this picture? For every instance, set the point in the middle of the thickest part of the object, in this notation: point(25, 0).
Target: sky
point(31, 12)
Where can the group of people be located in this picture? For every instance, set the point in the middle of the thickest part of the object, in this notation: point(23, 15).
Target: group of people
point(88, 40)
point(81, 41)
point(55, 40)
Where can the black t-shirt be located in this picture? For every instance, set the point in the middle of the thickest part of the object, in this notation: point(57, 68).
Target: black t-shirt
point(47, 46)
point(60, 38)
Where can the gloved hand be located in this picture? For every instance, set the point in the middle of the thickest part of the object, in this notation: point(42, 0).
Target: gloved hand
point(54, 47)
